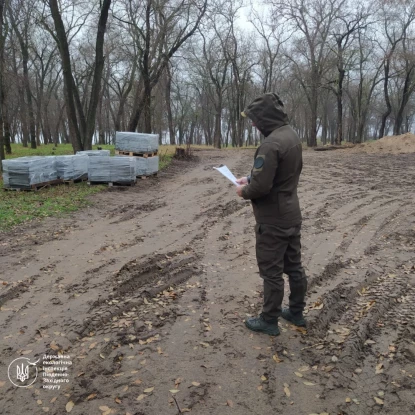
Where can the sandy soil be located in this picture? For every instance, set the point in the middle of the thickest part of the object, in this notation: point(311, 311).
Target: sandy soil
point(148, 290)
point(395, 144)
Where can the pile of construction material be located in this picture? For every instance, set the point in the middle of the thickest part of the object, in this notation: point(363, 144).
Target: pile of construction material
point(144, 149)
point(72, 168)
point(137, 156)
point(29, 172)
point(136, 143)
point(113, 170)
point(94, 153)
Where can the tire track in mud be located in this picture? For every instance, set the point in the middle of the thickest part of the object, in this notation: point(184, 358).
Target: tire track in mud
point(355, 300)
point(178, 312)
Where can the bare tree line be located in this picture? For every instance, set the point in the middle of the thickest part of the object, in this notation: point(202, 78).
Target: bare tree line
point(76, 71)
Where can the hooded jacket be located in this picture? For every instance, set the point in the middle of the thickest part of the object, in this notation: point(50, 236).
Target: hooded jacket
point(277, 165)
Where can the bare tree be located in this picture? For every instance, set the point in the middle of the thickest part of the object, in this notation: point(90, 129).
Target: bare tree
point(407, 56)
point(20, 18)
point(312, 20)
point(2, 86)
point(159, 28)
point(345, 28)
point(396, 20)
point(81, 118)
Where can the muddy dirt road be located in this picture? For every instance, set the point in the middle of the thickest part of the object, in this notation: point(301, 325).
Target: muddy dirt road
point(146, 293)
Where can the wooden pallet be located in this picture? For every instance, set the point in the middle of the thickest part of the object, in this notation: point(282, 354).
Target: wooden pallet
point(34, 187)
point(147, 176)
point(133, 154)
point(79, 180)
point(111, 184)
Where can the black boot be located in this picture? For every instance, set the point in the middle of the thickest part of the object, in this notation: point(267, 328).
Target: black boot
point(262, 326)
point(296, 319)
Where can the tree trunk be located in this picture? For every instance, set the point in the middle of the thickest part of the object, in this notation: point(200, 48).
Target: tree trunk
point(67, 75)
point(2, 93)
point(339, 137)
point(97, 80)
point(386, 114)
point(168, 107)
point(406, 94)
point(217, 136)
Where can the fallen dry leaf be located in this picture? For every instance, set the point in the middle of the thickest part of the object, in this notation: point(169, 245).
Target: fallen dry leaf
point(379, 368)
point(92, 396)
point(196, 384)
point(39, 402)
point(186, 410)
point(378, 400)
point(69, 406)
point(304, 368)
point(26, 351)
point(276, 358)
point(92, 345)
point(287, 390)
point(204, 344)
point(300, 375)
point(149, 390)
point(2, 384)
point(174, 391)
point(117, 400)
point(141, 397)
point(104, 408)
point(259, 388)
point(229, 403)
point(53, 399)
point(54, 346)
point(309, 383)
point(348, 400)
point(263, 378)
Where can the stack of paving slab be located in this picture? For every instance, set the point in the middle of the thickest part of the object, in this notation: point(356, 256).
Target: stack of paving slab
point(93, 153)
point(143, 147)
point(72, 167)
point(147, 166)
point(136, 142)
point(27, 172)
point(103, 169)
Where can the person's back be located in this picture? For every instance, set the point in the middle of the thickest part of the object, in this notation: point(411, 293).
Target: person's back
point(272, 188)
point(281, 158)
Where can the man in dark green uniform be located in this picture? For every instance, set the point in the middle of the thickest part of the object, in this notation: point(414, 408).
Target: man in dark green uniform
point(272, 188)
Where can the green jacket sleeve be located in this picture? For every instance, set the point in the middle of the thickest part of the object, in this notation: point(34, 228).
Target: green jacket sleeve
point(263, 172)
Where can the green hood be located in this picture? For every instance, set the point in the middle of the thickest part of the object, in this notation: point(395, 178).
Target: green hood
point(267, 113)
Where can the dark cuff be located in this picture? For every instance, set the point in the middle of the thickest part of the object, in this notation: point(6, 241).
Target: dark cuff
point(249, 179)
point(244, 189)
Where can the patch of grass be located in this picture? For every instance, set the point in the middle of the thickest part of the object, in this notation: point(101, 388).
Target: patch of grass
point(49, 150)
point(19, 207)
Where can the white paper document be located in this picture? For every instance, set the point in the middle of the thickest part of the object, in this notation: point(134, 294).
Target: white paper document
point(227, 173)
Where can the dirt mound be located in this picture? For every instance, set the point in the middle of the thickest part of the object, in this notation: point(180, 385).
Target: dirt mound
point(395, 144)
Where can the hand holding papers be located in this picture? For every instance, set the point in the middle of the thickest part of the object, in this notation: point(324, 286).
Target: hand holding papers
point(227, 173)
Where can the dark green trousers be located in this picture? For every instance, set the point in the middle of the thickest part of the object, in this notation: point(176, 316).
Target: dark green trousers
point(278, 251)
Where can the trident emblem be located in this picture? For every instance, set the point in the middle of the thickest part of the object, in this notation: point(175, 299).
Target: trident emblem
point(23, 370)
point(22, 373)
